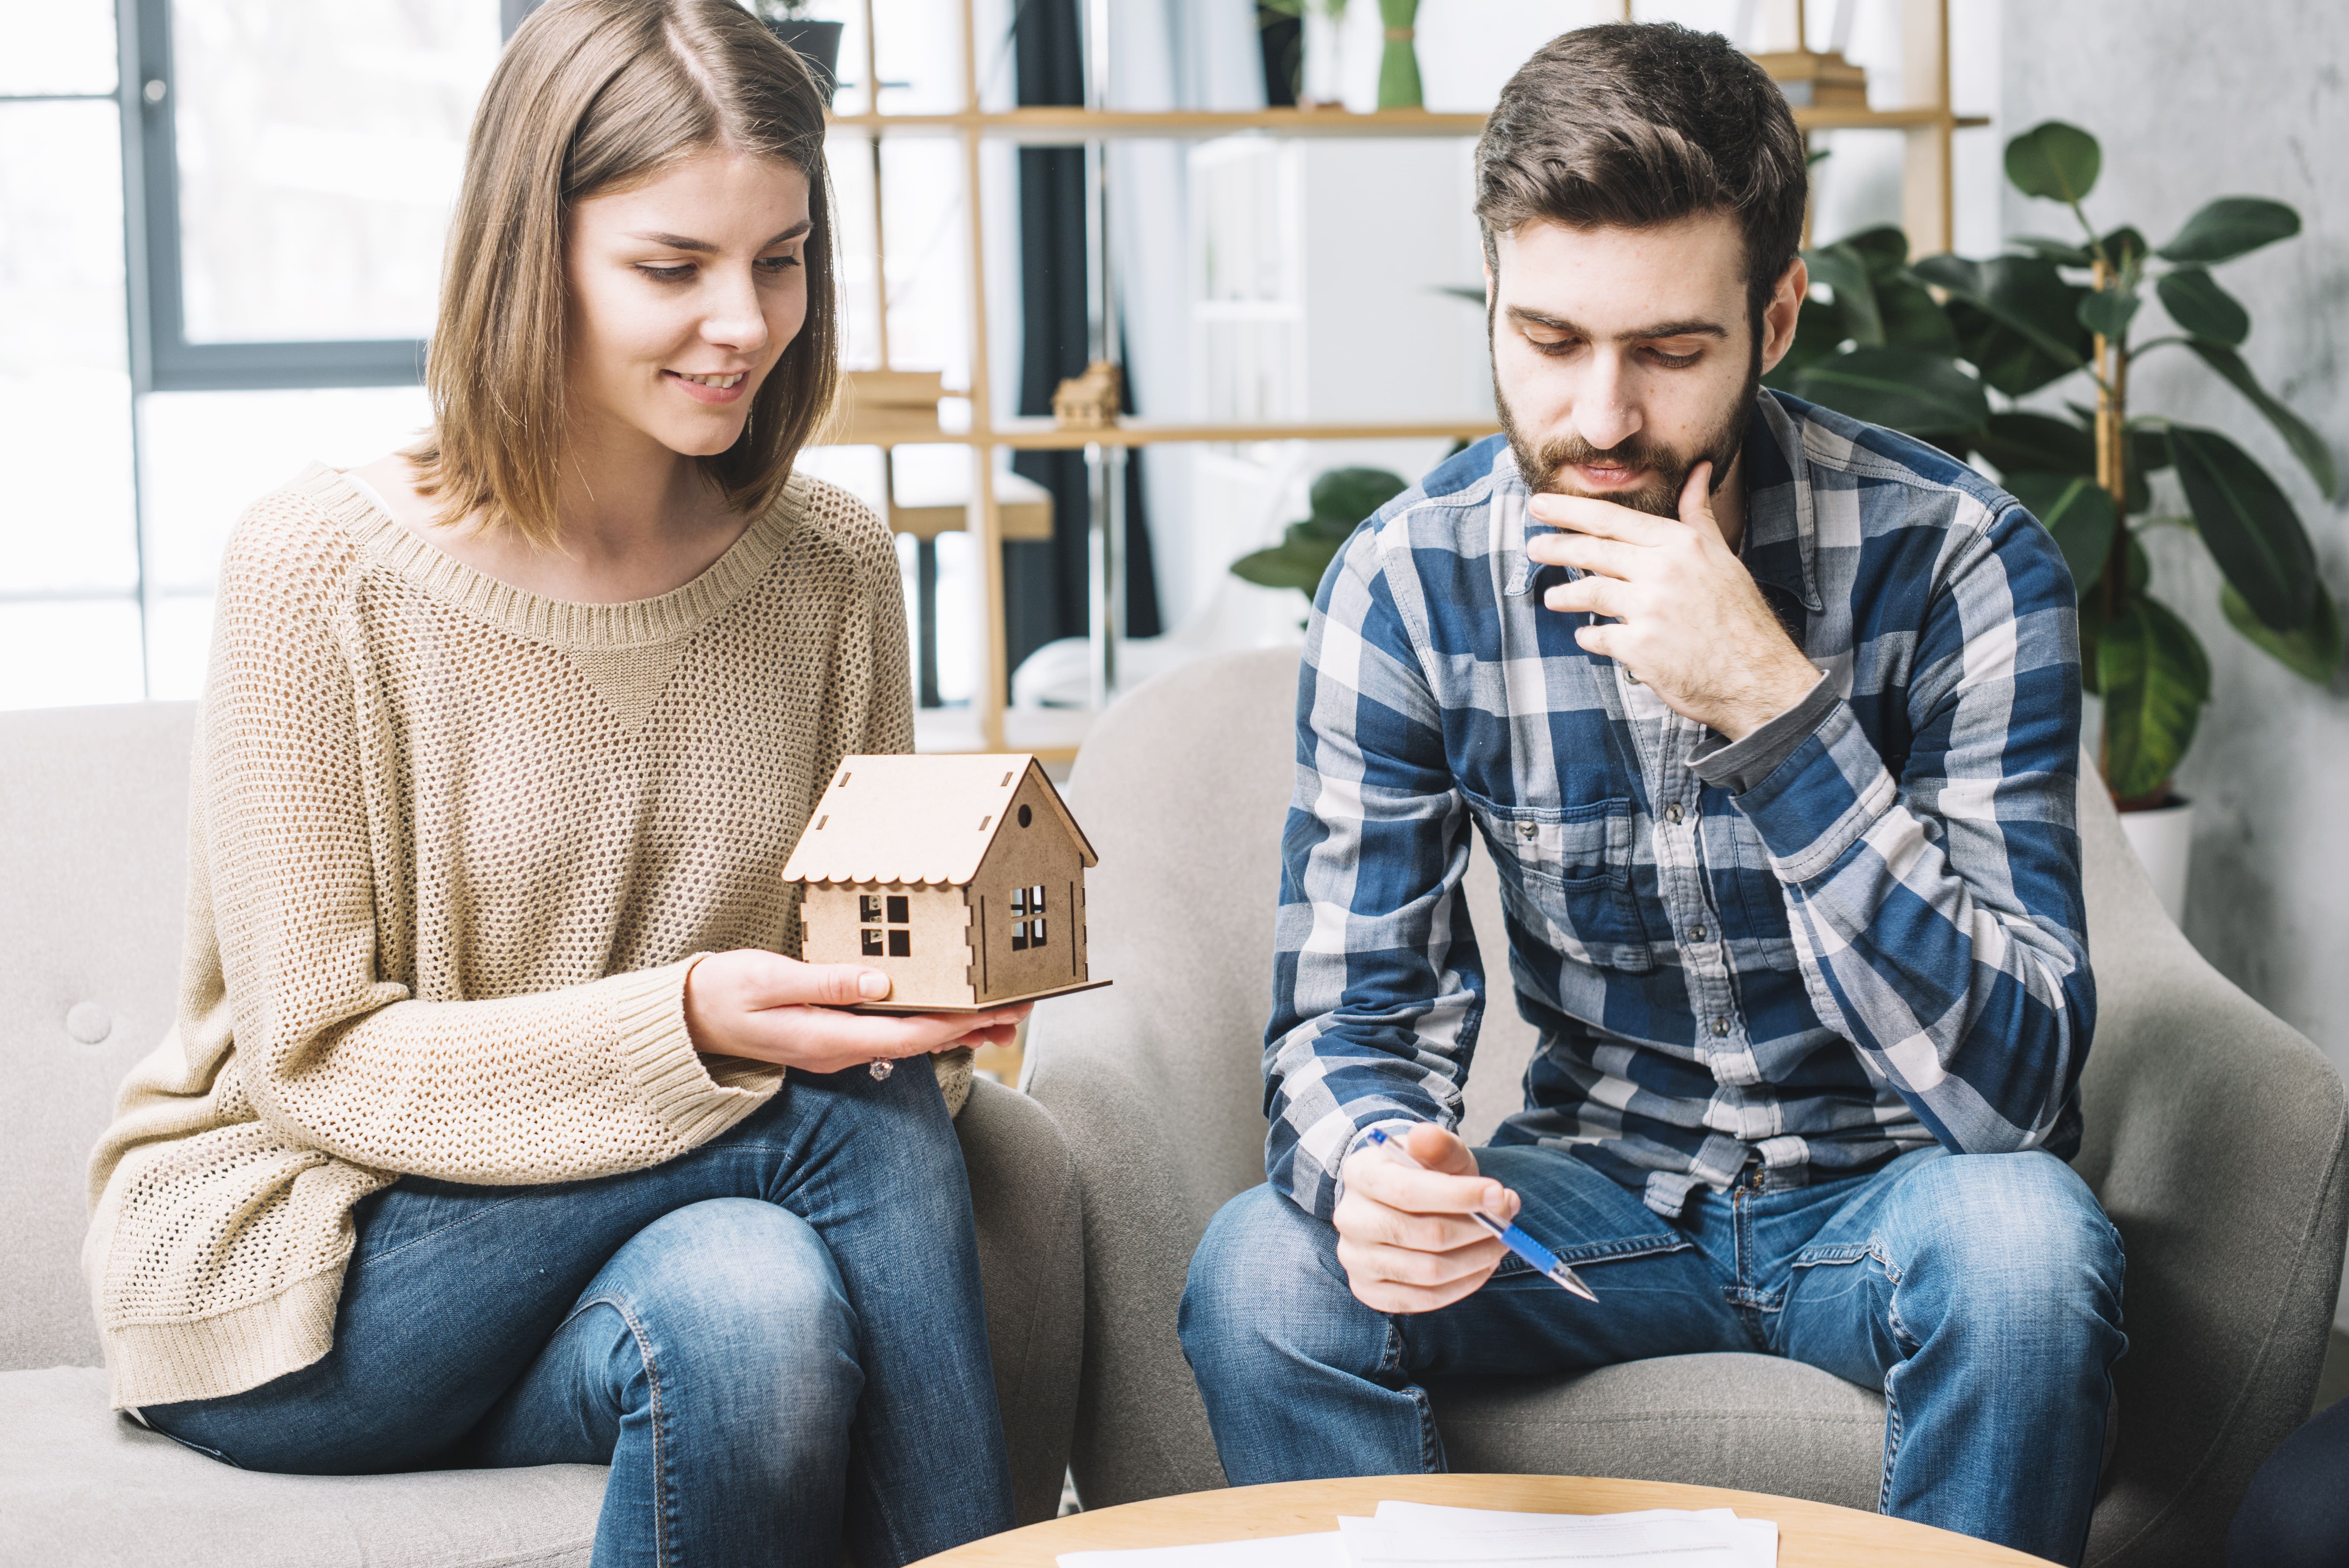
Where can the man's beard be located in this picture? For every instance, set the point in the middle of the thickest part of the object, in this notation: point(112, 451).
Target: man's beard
point(1544, 468)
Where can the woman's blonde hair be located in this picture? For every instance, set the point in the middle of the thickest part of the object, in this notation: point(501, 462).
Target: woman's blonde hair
point(590, 95)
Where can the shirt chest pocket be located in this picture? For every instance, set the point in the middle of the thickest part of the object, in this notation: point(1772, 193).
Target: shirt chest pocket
point(1567, 872)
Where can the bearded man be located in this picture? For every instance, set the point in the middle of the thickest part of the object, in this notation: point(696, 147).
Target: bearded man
point(1770, 719)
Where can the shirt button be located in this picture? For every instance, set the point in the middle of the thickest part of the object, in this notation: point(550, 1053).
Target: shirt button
point(1673, 812)
point(1696, 933)
point(1525, 830)
point(1720, 1027)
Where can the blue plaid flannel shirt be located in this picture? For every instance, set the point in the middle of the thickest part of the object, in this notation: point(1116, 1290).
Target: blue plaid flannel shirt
point(1873, 940)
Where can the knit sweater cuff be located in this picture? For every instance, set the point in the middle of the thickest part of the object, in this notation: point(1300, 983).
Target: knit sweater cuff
point(657, 1052)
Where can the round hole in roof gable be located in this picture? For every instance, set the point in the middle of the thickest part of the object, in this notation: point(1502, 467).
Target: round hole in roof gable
point(1026, 816)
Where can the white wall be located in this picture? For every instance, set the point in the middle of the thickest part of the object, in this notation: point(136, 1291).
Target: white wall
point(2193, 101)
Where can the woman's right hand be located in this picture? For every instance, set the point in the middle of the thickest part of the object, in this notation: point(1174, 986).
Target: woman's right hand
point(754, 1003)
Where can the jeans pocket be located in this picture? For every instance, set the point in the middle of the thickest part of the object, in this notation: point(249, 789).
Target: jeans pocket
point(1599, 1252)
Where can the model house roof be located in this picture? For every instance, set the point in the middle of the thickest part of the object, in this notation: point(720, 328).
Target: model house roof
point(918, 818)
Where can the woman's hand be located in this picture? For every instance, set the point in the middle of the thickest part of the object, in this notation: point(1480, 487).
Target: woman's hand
point(768, 1008)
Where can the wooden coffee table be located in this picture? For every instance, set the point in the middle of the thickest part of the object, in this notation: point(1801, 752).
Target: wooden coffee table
point(1810, 1534)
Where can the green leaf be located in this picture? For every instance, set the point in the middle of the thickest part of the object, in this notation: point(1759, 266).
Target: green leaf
point(2018, 442)
point(1818, 332)
point(1884, 249)
point(2155, 678)
point(2106, 313)
point(2229, 227)
point(2053, 160)
point(2251, 530)
point(1905, 389)
point(2064, 252)
point(2313, 653)
point(1845, 273)
point(2016, 318)
point(2148, 447)
point(1911, 319)
point(2077, 513)
point(1348, 495)
point(2203, 309)
point(2124, 247)
point(1283, 566)
point(2305, 444)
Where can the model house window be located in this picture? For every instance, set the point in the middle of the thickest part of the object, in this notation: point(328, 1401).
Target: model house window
point(1027, 933)
point(886, 923)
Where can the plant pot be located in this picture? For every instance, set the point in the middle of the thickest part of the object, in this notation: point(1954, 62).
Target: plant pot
point(2163, 838)
point(817, 43)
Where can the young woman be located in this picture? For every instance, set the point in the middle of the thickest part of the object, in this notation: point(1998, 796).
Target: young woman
point(495, 1131)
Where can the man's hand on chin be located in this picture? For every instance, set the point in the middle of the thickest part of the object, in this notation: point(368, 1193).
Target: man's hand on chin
point(1693, 625)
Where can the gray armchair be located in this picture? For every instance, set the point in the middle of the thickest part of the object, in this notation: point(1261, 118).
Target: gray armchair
point(2215, 1140)
point(93, 851)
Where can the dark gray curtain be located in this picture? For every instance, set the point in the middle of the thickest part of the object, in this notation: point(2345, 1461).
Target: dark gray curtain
point(1044, 583)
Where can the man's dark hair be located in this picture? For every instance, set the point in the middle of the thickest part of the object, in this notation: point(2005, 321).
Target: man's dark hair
point(1634, 124)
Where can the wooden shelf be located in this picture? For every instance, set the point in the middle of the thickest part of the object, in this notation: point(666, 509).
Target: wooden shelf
point(1040, 434)
point(1064, 126)
point(1075, 125)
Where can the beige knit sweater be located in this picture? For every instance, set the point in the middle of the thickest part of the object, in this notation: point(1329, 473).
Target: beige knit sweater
point(453, 848)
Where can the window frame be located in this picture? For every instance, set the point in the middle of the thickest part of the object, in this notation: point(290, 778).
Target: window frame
point(161, 358)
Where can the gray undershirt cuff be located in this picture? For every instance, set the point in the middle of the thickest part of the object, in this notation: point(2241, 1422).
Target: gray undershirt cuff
point(1738, 766)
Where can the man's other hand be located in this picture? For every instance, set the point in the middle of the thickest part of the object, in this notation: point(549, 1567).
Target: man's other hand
point(1405, 1236)
point(1693, 625)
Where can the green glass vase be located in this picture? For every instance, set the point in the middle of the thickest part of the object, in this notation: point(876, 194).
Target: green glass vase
point(1399, 64)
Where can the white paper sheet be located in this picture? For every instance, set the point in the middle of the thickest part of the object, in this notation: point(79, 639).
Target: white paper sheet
point(1408, 1534)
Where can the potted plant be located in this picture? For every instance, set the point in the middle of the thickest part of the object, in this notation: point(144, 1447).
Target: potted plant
point(1923, 347)
point(817, 43)
point(1340, 498)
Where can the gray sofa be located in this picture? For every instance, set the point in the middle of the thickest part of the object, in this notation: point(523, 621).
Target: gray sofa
point(92, 865)
point(2215, 1140)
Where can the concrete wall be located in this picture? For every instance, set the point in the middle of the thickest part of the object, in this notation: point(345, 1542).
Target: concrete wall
point(2192, 101)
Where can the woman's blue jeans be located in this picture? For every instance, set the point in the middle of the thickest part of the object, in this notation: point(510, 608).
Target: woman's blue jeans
point(1982, 1293)
point(771, 1338)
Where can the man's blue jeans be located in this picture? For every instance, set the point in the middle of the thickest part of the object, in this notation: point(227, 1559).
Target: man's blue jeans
point(773, 1334)
point(1982, 1293)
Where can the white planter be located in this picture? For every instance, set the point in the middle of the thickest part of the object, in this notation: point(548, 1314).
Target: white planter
point(2164, 840)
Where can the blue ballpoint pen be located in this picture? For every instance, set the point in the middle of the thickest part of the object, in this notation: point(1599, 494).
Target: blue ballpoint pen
point(1515, 1241)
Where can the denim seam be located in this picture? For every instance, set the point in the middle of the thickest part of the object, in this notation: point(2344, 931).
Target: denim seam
point(1430, 1441)
point(440, 1230)
point(1891, 1436)
point(661, 1489)
point(1599, 1252)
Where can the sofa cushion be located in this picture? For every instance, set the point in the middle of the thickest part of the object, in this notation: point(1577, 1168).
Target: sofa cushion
point(79, 1484)
point(1754, 1423)
point(93, 860)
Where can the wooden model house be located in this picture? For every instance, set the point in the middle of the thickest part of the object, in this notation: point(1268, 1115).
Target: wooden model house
point(961, 878)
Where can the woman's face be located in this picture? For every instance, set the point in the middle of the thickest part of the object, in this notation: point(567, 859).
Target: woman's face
point(684, 293)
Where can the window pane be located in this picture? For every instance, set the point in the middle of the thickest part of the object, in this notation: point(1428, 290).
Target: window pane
point(179, 647)
point(65, 385)
point(320, 148)
point(209, 455)
point(67, 653)
point(901, 944)
point(873, 944)
point(58, 46)
point(897, 911)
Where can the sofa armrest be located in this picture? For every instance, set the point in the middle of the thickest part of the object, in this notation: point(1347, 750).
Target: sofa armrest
point(1142, 1429)
point(2215, 1138)
point(1024, 1196)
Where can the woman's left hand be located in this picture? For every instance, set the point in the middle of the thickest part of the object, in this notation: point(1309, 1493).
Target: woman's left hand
point(761, 1005)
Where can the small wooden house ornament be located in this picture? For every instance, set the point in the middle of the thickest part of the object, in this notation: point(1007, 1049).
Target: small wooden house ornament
point(962, 877)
